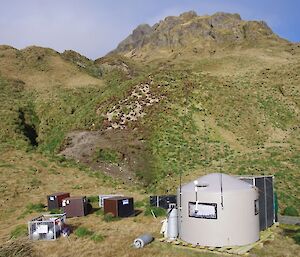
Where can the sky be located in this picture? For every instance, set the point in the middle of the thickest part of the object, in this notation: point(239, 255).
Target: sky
point(95, 27)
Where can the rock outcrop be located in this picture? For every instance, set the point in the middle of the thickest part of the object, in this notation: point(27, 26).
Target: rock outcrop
point(189, 28)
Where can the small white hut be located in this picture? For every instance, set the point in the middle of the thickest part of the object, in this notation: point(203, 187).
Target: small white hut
point(218, 210)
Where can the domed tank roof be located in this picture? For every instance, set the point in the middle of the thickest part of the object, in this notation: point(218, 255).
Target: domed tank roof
point(211, 183)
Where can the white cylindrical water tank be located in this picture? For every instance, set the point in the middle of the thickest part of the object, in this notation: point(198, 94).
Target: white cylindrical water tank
point(221, 211)
point(172, 230)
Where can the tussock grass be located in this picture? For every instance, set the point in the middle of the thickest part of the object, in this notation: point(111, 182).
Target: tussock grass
point(19, 231)
point(233, 112)
point(93, 198)
point(33, 208)
point(109, 217)
point(83, 232)
point(290, 211)
point(158, 212)
point(17, 248)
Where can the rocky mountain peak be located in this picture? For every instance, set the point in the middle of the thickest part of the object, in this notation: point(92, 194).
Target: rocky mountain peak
point(206, 31)
point(141, 30)
point(136, 39)
point(188, 15)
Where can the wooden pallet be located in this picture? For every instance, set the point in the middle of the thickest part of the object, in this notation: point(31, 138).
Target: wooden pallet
point(266, 235)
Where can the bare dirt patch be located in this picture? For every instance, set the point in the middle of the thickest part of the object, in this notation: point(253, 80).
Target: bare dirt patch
point(84, 146)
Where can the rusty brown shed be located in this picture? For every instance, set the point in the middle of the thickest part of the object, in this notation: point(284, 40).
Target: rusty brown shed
point(75, 206)
point(55, 200)
point(119, 206)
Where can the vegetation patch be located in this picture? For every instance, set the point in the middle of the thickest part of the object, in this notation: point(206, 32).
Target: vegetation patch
point(97, 238)
point(157, 211)
point(17, 248)
point(107, 155)
point(35, 183)
point(296, 237)
point(19, 231)
point(292, 231)
point(56, 211)
point(290, 211)
point(93, 198)
point(142, 203)
point(109, 217)
point(33, 207)
point(83, 232)
point(38, 207)
point(99, 212)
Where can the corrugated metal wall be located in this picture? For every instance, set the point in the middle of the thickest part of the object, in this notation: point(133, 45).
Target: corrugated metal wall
point(265, 185)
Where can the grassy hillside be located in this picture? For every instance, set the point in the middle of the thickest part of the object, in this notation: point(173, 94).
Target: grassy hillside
point(205, 115)
point(133, 125)
point(43, 69)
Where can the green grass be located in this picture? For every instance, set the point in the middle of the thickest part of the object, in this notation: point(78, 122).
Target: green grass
point(93, 198)
point(107, 155)
point(177, 137)
point(290, 211)
point(31, 208)
point(19, 231)
point(142, 203)
point(56, 211)
point(7, 165)
point(158, 212)
point(35, 183)
point(97, 238)
point(38, 207)
point(12, 99)
point(292, 231)
point(109, 217)
point(83, 63)
point(279, 115)
point(99, 212)
point(76, 187)
point(83, 232)
point(296, 237)
point(42, 163)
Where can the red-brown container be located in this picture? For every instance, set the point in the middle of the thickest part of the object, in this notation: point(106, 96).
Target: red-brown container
point(55, 200)
point(75, 206)
point(119, 206)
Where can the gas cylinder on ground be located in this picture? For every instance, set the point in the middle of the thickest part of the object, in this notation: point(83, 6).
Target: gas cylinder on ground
point(172, 230)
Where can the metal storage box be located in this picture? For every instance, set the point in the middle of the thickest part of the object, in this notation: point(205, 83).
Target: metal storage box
point(75, 206)
point(46, 227)
point(265, 185)
point(55, 200)
point(102, 197)
point(162, 201)
point(119, 206)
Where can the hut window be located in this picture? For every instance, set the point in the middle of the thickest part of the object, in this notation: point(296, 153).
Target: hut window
point(256, 207)
point(203, 210)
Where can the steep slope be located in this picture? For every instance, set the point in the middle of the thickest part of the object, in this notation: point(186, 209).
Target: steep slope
point(191, 95)
point(41, 90)
point(220, 91)
point(43, 68)
point(203, 35)
point(235, 105)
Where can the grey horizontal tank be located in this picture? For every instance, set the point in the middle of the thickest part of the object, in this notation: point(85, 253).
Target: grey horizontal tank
point(218, 210)
point(143, 240)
